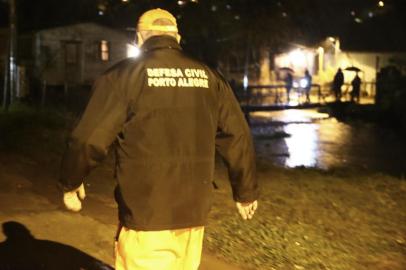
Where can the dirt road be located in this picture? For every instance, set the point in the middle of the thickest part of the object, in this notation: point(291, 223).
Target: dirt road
point(31, 207)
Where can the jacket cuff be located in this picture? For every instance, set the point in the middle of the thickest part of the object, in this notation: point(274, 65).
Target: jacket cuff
point(247, 198)
point(68, 188)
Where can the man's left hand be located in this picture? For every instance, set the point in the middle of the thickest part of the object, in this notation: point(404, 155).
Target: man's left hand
point(72, 198)
point(247, 210)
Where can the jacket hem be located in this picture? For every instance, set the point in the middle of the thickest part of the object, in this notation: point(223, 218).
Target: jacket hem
point(163, 227)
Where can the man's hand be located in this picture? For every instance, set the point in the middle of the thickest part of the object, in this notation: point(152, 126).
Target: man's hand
point(247, 210)
point(72, 198)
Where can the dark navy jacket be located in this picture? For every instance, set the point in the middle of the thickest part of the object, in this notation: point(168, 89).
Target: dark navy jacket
point(168, 114)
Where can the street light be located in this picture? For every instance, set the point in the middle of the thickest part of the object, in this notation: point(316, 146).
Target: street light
point(297, 58)
point(181, 3)
point(245, 82)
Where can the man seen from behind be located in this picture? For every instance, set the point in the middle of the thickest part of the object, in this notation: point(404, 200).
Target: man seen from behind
point(166, 114)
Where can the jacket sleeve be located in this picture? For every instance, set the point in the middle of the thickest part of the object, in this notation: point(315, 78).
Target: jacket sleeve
point(101, 122)
point(234, 144)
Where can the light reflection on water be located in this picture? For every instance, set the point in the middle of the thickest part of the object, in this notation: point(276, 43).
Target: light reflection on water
point(303, 148)
point(307, 138)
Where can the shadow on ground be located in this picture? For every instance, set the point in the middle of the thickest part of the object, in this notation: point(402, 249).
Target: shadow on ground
point(21, 251)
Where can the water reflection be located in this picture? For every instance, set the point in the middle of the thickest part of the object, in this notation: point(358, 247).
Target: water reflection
point(302, 145)
point(307, 138)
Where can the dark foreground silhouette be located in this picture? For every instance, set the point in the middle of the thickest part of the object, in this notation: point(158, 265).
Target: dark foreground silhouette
point(21, 251)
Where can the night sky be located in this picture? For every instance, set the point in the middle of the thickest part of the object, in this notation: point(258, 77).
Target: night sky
point(360, 23)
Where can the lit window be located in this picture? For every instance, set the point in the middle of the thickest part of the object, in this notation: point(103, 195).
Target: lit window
point(104, 50)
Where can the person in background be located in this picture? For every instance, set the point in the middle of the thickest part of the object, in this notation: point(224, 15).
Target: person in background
point(356, 89)
point(165, 114)
point(288, 85)
point(308, 85)
point(337, 84)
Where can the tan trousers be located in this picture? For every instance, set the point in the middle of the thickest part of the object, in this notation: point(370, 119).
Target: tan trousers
point(159, 250)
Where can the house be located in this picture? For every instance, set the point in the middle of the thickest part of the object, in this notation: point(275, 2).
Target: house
point(324, 59)
point(74, 54)
point(369, 60)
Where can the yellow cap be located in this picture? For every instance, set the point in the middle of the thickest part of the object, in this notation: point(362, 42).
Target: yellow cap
point(148, 21)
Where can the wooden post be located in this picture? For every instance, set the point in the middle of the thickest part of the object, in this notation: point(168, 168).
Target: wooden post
point(66, 93)
point(43, 93)
point(12, 51)
point(6, 89)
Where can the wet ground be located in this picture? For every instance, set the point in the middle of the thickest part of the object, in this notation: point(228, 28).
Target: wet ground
point(36, 232)
point(308, 138)
point(307, 218)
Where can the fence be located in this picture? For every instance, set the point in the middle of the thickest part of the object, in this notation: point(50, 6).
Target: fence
point(268, 95)
point(276, 95)
point(69, 97)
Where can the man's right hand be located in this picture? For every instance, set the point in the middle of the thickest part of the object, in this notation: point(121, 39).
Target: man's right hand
point(72, 198)
point(247, 210)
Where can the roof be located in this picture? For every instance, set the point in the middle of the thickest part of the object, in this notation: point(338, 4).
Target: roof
point(82, 31)
point(80, 25)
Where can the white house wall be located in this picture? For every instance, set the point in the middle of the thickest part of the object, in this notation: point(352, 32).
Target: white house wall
point(49, 46)
point(369, 63)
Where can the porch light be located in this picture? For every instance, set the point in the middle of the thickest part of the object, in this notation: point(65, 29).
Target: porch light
point(133, 51)
point(245, 82)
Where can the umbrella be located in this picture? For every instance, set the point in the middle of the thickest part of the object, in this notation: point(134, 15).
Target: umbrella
point(288, 69)
point(353, 69)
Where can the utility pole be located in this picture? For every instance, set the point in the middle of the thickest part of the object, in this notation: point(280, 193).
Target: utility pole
point(13, 50)
point(11, 70)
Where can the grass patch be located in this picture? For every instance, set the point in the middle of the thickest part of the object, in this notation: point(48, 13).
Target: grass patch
point(310, 219)
point(33, 133)
point(307, 218)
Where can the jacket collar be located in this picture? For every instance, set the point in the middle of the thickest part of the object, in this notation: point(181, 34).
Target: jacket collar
point(160, 42)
